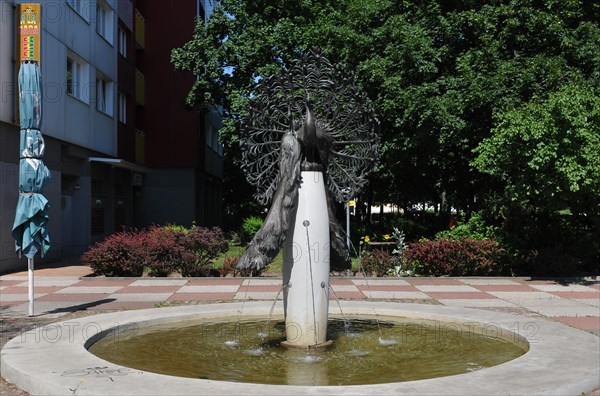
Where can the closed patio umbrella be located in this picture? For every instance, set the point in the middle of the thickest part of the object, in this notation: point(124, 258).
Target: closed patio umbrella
point(30, 227)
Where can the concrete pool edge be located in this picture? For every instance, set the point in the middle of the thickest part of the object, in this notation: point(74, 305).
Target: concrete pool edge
point(53, 360)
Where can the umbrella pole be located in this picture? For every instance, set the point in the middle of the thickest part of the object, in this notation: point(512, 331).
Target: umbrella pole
point(30, 273)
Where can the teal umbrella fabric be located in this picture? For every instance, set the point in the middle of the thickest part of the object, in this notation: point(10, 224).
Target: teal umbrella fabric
point(30, 229)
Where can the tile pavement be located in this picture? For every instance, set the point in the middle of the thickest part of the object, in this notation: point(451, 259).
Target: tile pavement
point(576, 304)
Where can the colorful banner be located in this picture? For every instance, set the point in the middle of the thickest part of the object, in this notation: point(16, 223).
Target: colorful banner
point(29, 28)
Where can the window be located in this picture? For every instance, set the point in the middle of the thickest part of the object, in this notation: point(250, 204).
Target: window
point(122, 107)
point(122, 42)
point(104, 21)
point(81, 7)
point(104, 101)
point(77, 78)
point(75, 4)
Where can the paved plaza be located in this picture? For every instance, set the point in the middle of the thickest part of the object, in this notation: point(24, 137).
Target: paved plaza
point(59, 291)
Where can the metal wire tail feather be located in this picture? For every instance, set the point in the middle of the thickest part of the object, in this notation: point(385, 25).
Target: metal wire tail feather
point(312, 117)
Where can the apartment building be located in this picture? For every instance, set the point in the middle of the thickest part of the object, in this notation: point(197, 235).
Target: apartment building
point(121, 148)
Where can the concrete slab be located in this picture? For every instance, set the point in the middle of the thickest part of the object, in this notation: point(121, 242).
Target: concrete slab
point(242, 295)
point(201, 297)
point(347, 288)
point(209, 289)
point(476, 303)
point(6, 297)
point(258, 281)
point(563, 288)
point(51, 282)
point(61, 364)
point(140, 296)
point(567, 311)
point(396, 295)
point(460, 295)
point(543, 302)
point(506, 288)
point(526, 295)
point(593, 302)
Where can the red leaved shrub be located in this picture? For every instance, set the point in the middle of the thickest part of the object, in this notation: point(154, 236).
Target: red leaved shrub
point(464, 257)
point(162, 249)
point(201, 246)
point(377, 262)
point(120, 254)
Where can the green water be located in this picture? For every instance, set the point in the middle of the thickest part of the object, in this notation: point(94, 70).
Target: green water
point(368, 351)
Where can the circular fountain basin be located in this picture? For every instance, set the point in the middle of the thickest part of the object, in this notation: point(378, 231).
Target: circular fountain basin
point(366, 350)
point(54, 359)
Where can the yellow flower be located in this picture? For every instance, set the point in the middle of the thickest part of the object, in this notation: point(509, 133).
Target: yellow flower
point(386, 237)
point(367, 239)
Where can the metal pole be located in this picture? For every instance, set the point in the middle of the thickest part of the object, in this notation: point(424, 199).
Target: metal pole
point(30, 273)
point(348, 224)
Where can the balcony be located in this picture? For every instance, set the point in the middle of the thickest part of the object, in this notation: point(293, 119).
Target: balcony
point(140, 88)
point(140, 30)
point(140, 147)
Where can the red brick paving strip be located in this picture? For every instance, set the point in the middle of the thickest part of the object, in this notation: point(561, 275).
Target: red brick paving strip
point(148, 289)
point(334, 281)
point(74, 297)
point(215, 282)
point(125, 305)
point(577, 294)
point(104, 283)
point(349, 295)
point(10, 282)
point(581, 322)
point(25, 290)
point(460, 295)
point(261, 288)
point(433, 281)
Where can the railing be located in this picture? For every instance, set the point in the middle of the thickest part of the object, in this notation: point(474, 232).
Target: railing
point(140, 88)
point(140, 30)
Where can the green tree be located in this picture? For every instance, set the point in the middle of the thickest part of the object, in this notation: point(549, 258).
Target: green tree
point(547, 153)
point(442, 75)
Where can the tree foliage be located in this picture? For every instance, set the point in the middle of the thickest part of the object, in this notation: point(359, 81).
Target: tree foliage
point(454, 83)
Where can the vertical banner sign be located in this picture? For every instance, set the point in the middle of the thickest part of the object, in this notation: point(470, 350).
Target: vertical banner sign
point(29, 25)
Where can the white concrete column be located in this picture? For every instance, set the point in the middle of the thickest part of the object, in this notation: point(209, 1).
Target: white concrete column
point(306, 265)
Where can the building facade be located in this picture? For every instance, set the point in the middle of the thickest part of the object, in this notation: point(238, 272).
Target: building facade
point(112, 126)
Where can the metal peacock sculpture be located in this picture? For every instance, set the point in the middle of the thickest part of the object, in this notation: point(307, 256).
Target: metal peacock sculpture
point(308, 117)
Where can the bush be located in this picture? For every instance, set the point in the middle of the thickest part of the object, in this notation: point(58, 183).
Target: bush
point(229, 265)
point(120, 254)
point(474, 228)
point(250, 227)
point(463, 257)
point(200, 247)
point(164, 251)
point(377, 262)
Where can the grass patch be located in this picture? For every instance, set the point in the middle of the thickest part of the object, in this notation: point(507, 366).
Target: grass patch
point(236, 250)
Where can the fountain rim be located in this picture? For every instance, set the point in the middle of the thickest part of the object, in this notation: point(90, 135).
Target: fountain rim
point(560, 360)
